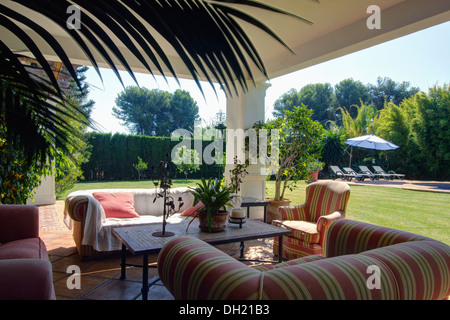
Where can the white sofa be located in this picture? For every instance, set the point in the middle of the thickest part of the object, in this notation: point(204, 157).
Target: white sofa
point(92, 231)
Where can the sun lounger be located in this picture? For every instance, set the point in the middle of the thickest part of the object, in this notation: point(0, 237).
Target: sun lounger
point(369, 175)
point(394, 175)
point(338, 173)
point(357, 176)
point(366, 170)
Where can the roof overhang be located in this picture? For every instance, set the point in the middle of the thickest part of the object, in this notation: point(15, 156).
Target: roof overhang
point(339, 28)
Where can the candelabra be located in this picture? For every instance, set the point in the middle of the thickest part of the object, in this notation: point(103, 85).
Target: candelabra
point(164, 184)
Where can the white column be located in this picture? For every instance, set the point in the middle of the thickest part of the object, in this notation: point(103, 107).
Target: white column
point(242, 112)
point(45, 193)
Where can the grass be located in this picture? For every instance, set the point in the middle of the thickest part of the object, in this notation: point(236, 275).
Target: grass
point(424, 213)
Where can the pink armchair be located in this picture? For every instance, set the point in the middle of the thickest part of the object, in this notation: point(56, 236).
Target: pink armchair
point(25, 271)
point(326, 201)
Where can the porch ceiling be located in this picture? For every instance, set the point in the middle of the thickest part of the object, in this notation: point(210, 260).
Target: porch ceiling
point(339, 28)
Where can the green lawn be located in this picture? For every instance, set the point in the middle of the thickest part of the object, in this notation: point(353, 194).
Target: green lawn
point(424, 213)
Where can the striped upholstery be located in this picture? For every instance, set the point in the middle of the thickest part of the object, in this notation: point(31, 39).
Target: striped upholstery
point(410, 267)
point(414, 259)
point(325, 202)
point(295, 248)
point(349, 237)
point(421, 268)
point(192, 269)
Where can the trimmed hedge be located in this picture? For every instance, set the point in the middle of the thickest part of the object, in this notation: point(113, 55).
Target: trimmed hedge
point(113, 157)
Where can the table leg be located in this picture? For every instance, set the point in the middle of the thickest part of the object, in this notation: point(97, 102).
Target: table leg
point(241, 256)
point(123, 263)
point(280, 249)
point(144, 290)
point(265, 213)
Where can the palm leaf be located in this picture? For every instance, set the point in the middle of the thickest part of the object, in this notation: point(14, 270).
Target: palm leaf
point(217, 54)
point(205, 35)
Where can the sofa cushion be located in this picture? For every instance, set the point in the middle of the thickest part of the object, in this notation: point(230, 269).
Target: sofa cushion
point(30, 248)
point(117, 205)
point(192, 211)
point(301, 230)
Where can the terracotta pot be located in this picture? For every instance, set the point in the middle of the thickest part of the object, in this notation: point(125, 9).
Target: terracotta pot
point(218, 221)
point(272, 209)
point(314, 176)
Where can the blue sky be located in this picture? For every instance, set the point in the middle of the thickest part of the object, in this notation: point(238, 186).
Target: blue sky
point(422, 58)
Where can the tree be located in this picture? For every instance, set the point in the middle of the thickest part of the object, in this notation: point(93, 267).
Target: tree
point(183, 111)
point(387, 90)
point(420, 127)
point(332, 146)
point(394, 124)
point(140, 167)
point(299, 145)
point(286, 102)
point(361, 123)
point(318, 97)
point(219, 121)
point(349, 92)
point(143, 110)
point(155, 112)
point(186, 160)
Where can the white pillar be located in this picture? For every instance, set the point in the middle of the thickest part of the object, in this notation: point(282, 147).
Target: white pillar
point(243, 112)
point(45, 193)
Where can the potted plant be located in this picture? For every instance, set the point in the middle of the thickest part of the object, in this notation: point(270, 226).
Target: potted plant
point(214, 196)
point(314, 167)
point(298, 144)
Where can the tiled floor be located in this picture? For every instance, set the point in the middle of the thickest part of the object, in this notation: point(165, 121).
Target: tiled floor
point(100, 277)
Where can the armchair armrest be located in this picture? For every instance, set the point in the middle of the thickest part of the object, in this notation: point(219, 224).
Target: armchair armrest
point(18, 222)
point(26, 279)
point(299, 212)
point(324, 222)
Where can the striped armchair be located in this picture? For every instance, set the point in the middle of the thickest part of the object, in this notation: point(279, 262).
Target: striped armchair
point(361, 261)
point(326, 201)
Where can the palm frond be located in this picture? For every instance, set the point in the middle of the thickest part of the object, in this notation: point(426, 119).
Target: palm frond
point(205, 34)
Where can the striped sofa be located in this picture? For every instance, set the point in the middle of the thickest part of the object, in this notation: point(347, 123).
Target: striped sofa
point(361, 261)
point(325, 202)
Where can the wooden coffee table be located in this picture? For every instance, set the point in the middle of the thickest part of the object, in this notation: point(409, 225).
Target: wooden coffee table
point(140, 241)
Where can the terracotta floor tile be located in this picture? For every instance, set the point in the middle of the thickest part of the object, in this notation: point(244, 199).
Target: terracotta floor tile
point(87, 284)
point(108, 268)
point(62, 264)
point(116, 290)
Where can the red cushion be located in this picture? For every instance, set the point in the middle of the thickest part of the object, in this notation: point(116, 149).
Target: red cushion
point(117, 205)
point(192, 211)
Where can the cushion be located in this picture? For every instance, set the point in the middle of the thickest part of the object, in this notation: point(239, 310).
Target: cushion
point(117, 205)
point(302, 230)
point(192, 211)
point(29, 248)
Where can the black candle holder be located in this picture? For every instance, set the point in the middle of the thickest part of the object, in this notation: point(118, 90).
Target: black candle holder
point(164, 184)
point(236, 220)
